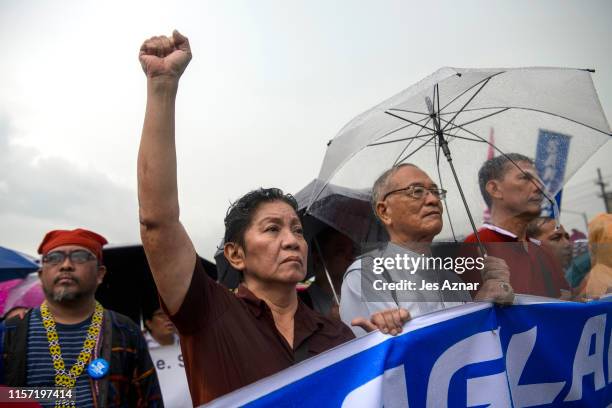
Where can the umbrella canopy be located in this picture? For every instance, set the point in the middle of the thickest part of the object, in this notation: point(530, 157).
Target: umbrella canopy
point(342, 208)
point(349, 212)
point(28, 293)
point(15, 265)
point(128, 286)
point(5, 292)
point(530, 110)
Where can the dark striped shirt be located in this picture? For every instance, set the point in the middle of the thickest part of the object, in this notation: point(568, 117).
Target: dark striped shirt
point(40, 371)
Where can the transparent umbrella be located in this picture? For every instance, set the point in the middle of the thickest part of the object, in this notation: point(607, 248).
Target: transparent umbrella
point(441, 124)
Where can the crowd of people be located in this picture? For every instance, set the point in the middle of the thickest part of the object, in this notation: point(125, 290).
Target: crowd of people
point(230, 339)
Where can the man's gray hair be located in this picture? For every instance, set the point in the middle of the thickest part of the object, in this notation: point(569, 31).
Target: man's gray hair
point(381, 185)
point(495, 169)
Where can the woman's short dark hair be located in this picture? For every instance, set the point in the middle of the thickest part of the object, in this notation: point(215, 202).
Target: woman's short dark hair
point(240, 213)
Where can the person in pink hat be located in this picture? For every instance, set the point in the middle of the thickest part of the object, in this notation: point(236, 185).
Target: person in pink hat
point(25, 295)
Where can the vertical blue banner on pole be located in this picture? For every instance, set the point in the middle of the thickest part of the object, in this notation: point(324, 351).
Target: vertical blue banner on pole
point(551, 158)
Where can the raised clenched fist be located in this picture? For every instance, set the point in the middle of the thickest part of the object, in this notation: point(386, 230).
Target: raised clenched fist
point(165, 56)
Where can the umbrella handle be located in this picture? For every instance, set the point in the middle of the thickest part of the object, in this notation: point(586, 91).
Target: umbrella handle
point(331, 284)
point(481, 247)
point(443, 144)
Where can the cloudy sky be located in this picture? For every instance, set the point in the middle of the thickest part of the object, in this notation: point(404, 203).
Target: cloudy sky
point(270, 83)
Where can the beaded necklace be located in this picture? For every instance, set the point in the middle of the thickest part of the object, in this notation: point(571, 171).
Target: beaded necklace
point(63, 378)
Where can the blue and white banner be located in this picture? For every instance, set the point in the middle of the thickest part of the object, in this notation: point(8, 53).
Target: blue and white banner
point(550, 162)
point(535, 353)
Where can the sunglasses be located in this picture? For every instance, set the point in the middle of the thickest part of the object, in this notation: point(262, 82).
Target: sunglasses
point(78, 256)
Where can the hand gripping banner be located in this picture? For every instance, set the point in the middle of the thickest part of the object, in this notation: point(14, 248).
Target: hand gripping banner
point(536, 353)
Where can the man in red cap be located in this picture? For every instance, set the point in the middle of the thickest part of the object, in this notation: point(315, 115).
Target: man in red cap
point(70, 286)
point(71, 341)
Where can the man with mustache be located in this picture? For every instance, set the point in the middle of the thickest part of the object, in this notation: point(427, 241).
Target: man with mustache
point(512, 190)
point(71, 341)
point(408, 203)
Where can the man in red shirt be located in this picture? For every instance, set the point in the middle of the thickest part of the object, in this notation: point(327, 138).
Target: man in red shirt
point(512, 189)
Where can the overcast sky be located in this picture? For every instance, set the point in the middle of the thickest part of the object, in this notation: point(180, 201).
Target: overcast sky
point(269, 84)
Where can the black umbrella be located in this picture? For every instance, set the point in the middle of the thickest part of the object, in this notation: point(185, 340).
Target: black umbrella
point(128, 286)
point(346, 210)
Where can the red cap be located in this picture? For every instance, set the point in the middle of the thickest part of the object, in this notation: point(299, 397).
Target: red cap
point(81, 237)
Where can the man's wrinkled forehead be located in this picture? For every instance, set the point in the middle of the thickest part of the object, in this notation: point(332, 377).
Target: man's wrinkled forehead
point(410, 175)
point(522, 167)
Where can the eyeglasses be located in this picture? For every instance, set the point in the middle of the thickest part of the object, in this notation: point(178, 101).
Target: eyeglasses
point(79, 256)
point(418, 192)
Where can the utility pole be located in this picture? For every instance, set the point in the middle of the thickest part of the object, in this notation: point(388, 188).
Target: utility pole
point(603, 185)
point(583, 214)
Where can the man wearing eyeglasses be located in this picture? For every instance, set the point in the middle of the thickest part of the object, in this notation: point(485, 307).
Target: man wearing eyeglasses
point(71, 341)
point(400, 275)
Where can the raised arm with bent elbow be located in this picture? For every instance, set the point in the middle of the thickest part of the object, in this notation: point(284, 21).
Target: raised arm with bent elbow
point(169, 249)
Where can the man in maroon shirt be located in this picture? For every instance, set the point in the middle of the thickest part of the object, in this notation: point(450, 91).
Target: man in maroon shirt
point(512, 190)
point(228, 340)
